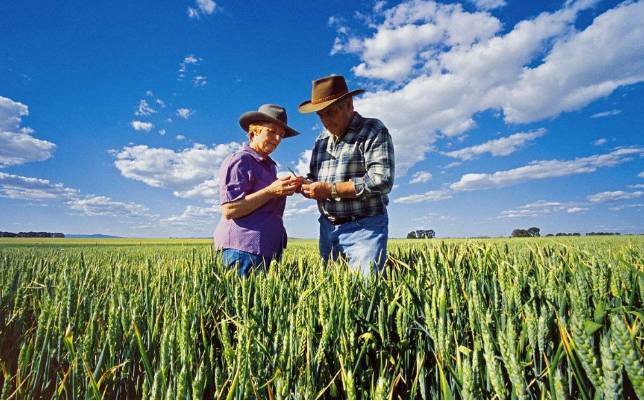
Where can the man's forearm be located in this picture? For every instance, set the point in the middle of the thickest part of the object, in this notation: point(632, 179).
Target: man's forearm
point(345, 189)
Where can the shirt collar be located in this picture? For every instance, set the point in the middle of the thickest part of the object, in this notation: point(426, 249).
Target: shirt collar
point(247, 149)
point(356, 122)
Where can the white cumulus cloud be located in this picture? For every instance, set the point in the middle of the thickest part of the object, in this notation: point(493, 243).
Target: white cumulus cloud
point(141, 125)
point(33, 189)
point(609, 113)
point(200, 80)
point(488, 4)
point(184, 65)
point(437, 66)
point(17, 145)
point(420, 177)
point(187, 172)
point(581, 68)
point(540, 208)
point(311, 208)
point(303, 163)
point(202, 7)
point(612, 196)
point(144, 109)
point(194, 216)
point(543, 169)
point(41, 190)
point(105, 206)
point(498, 147)
point(185, 113)
point(622, 207)
point(207, 190)
point(435, 195)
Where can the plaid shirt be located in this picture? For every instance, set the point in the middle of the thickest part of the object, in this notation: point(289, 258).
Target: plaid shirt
point(364, 155)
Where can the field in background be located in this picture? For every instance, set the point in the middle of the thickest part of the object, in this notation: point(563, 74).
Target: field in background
point(605, 241)
point(508, 318)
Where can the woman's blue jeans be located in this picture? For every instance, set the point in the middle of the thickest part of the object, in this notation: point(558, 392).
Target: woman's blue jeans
point(245, 261)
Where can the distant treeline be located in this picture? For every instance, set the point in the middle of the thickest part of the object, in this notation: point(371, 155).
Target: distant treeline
point(31, 234)
point(536, 232)
point(578, 234)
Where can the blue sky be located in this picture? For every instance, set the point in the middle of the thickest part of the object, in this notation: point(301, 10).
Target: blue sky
point(114, 117)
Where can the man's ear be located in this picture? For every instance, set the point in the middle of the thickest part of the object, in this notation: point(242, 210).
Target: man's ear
point(350, 103)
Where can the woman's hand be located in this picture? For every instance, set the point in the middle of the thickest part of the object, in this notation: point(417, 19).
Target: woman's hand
point(285, 186)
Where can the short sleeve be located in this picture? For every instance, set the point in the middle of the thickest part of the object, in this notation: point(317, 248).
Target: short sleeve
point(236, 178)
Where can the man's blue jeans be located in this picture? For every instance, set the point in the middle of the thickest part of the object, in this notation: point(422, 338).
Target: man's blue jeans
point(363, 242)
point(245, 261)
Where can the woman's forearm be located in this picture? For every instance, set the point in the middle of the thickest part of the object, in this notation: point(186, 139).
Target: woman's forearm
point(247, 204)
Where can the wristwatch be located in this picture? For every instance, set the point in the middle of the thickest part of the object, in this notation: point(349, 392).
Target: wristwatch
point(334, 193)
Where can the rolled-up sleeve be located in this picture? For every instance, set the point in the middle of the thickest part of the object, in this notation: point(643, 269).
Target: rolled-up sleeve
point(379, 163)
point(235, 180)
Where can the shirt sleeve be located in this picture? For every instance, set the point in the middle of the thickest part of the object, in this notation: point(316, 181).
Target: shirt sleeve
point(312, 176)
point(379, 163)
point(236, 180)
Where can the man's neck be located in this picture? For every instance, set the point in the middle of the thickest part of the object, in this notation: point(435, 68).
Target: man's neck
point(344, 131)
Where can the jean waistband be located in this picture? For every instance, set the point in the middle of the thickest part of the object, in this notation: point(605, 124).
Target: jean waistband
point(336, 221)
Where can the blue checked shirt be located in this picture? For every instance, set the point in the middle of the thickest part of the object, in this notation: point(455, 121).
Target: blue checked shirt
point(364, 155)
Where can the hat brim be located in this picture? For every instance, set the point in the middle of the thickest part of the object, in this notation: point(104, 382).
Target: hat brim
point(309, 107)
point(250, 117)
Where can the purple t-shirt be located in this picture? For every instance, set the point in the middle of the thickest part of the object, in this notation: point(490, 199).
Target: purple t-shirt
point(261, 232)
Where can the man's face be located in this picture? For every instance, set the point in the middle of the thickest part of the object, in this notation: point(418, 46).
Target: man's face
point(336, 118)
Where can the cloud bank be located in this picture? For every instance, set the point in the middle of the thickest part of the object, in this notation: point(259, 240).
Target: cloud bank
point(438, 65)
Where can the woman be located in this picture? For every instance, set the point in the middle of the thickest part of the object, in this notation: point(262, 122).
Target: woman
point(251, 231)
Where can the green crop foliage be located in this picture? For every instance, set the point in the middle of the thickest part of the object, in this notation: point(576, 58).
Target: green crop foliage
point(514, 318)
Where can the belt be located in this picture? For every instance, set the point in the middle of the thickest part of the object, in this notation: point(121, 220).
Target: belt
point(336, 221)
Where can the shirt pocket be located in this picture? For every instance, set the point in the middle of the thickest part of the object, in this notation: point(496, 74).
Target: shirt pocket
point(353, 165)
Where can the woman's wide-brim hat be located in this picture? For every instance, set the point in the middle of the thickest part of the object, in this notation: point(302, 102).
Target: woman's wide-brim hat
point(327, 91)
point(271, 113)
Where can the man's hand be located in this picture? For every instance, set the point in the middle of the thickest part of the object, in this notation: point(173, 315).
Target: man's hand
point(302, 181)
point(316, 190)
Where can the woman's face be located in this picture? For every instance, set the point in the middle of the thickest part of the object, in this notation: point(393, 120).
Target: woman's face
point(265, 137)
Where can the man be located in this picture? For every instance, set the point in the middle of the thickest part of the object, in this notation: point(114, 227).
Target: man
point(351, 173)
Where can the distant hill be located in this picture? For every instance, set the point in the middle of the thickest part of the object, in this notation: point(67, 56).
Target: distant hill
point(90, 236)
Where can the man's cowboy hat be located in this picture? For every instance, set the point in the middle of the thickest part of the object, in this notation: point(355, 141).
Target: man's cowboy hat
point(271, 113)
point(327, 91)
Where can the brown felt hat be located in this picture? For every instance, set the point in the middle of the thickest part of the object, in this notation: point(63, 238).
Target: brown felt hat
point(327, 91)
point(271, 113)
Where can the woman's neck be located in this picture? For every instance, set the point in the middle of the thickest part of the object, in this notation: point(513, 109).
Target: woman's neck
point(254, 146)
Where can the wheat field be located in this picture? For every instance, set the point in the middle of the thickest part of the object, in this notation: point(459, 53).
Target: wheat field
point(547, 318)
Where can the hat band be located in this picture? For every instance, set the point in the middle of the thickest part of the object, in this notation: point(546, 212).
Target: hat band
point(326, 98)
